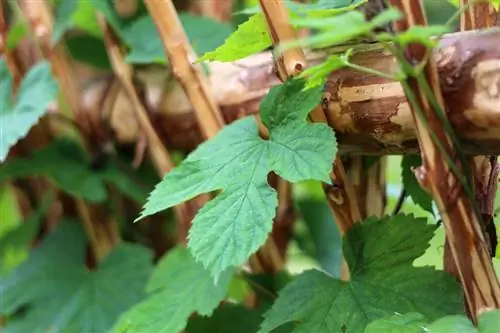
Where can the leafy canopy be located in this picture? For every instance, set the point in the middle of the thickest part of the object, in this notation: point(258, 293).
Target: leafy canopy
point(37, 90)
point(172, 300)
point(63, 295)
point(236, 223)
point(383, 281)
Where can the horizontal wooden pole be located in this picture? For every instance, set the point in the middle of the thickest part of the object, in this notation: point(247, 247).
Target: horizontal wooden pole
point(370, 114)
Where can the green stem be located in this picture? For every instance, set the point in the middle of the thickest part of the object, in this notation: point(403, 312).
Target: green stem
point(371, 71)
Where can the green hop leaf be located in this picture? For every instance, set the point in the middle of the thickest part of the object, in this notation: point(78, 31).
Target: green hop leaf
point(237, 161)
point(63, 295)
point(383, 281)
point(179, 287)
point(411, 185)
point(38, 89)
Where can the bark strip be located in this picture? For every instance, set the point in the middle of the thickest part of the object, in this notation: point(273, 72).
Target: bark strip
point(462, 225)
point(158, 153)
point(370, 115)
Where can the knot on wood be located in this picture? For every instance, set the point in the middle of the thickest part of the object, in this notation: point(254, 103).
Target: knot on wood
point(334, 193)
point(449, 64)
point(486, 76)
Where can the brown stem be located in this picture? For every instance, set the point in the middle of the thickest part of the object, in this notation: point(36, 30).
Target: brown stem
point(369, 181)
point(290, 63)
point(159, 154)
point(189, 75)
point(369, 184)
point(285, 215)
point(40, 18)
point(478, 16)
point(462, 225)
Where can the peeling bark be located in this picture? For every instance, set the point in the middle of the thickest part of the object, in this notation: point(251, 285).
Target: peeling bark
point(484, 168)
point(370, 115)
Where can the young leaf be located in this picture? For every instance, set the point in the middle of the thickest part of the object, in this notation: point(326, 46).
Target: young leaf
point(251, 37)
point(411, 185)
point(172, 301)
point(398, 323)
point(236, 223)
point(63, 295)
point(38, 89)
point(383, 281)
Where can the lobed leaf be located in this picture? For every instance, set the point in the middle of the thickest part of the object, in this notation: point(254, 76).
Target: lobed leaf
point(237, 161)
point(383, 281)
point(37, 90)
point(171, 301)
point(63, 295)
point(411, 185)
